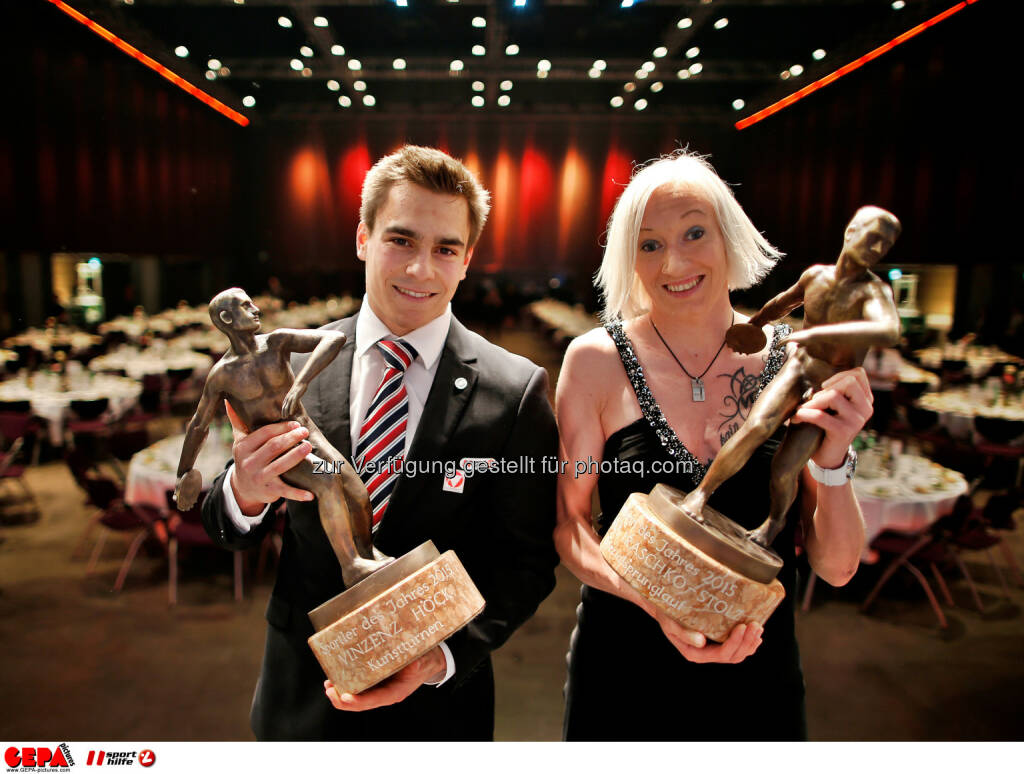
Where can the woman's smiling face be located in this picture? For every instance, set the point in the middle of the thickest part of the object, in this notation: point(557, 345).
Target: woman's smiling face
point(681, 259)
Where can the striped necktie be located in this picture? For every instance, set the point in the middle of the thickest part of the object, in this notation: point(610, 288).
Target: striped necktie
point(382, 436)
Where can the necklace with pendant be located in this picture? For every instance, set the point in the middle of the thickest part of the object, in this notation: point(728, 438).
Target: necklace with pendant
point(696, 382)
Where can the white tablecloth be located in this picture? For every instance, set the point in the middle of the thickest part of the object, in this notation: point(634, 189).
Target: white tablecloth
point(915, 494)
point(152, 472)
point(53, 404)
point(957, 409)
point(154, 360)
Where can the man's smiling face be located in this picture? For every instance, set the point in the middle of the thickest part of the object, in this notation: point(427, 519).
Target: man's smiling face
point(416, 255)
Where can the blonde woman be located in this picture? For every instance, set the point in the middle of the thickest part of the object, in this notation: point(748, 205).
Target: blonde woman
point(652, 397)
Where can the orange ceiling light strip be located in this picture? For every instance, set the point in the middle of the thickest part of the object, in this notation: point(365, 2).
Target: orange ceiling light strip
point(821, 83)
point(152, 64)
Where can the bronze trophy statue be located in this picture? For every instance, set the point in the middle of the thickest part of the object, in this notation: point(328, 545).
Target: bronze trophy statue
point(376, 626)
point(730, 572)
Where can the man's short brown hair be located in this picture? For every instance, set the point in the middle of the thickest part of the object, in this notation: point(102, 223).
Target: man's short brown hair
point(432, 169)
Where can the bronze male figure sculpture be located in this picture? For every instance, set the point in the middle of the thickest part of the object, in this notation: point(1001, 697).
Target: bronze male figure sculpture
point(847, 310)
point(255, 378)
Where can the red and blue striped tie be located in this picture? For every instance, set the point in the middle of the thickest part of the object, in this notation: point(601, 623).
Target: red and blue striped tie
point(381, 443)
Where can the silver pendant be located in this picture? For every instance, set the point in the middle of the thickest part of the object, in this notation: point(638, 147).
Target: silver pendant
point(698, 390)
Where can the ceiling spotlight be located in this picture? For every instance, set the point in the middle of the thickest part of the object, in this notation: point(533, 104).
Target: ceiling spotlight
point(211, 75)
point(519, 3)
point(355, 65)
point(543, 73)
point(721, 23)
point(402, 3)
point(479, 22)
point(296, 64)
point(657, 86)
point(660, 51)
point(239, 2)
point(511, 49)
point(649, 67)
point(338, 50)
point(505, 85)
point(504, 100)
point(819, 54)
point(456, 65)
point(684, 23)
point(693, 52)
point(224, 72)
point(479, 50)
point(306, 72)
point(594, 73)
point(398, 64)
point(333, 85)
point(478, 85)
point(214, 64)
point(627, 4)
point(796, 70)
point(738, 104)
point(284, 21)
point(359, 85)
point(640, 74)
point(248, 100)
point(629, 87)
point(640, 104)
point(683, 75)
point(181, 51)
point(616, 101)
point(319, 21)
point(369, 100)
point(784, 75)
point(345, 101)
point(544, 65)
point(477, 101)
point(898, 5)
point(696, 68)
point(306, 51)
point(600, 64)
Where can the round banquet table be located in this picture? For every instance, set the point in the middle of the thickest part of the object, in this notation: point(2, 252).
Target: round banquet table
point(958, 408)
point(52, 403)
point(154, 360)
point(152, 472)
point(909, 497)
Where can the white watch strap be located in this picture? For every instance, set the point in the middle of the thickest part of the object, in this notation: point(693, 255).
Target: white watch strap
point(832, 477)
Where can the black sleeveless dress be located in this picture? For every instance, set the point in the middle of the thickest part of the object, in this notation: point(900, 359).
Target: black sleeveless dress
point(626, 680)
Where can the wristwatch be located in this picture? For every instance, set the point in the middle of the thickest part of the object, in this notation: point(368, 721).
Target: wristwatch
point(835, 476)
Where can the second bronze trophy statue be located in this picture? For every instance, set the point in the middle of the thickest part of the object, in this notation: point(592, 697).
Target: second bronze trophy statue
point(392, 610)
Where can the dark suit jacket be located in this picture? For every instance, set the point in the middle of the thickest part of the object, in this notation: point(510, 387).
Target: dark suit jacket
point(500, 527)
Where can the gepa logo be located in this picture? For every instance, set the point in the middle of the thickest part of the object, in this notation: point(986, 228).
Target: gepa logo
point(38, 758)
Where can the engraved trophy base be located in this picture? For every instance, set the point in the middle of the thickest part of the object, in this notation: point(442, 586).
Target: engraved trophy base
point(391, 618)
point(706, 575)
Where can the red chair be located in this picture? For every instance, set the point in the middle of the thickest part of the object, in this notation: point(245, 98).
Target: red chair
point(185, 528)
point(15, 428)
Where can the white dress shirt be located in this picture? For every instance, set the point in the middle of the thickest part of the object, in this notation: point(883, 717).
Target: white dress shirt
point(367, 371)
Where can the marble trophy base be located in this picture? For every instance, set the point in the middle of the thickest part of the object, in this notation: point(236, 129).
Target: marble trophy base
point(388, 620)
point(706, 575)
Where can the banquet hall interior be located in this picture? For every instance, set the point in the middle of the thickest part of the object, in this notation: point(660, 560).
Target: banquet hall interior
point(155, 152)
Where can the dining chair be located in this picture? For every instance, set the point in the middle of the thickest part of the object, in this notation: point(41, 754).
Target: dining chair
point(185, 528)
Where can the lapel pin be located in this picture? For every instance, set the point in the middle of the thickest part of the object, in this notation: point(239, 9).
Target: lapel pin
point(461, 383)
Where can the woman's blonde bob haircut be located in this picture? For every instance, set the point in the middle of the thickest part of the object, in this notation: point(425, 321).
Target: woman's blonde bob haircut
point(749, 255)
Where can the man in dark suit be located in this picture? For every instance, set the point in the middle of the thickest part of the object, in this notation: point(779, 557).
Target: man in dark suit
point(467, 400)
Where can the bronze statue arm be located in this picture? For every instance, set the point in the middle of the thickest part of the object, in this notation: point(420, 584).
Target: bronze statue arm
point(880, 328)
point(190, 481)
point(781, 305)
point(325, 346)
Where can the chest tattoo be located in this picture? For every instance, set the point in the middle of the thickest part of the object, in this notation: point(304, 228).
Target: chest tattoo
point(743, 390)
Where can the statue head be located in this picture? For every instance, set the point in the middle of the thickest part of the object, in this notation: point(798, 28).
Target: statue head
point(233, 310)
point(870, 235)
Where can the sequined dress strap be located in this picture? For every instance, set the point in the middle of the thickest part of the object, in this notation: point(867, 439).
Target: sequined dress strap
point(652, 411)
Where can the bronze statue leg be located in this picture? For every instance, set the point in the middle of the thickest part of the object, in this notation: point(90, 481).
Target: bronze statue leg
point(335, 519)
point(797, 447)
point(356, 497)
point(775, 404)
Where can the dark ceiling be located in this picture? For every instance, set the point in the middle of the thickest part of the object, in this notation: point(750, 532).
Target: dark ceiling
point(742, 59)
